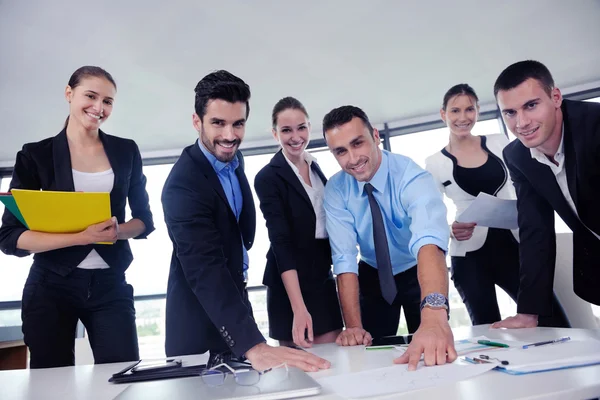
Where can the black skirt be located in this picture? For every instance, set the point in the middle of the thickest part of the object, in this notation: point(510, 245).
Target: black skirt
point(320, 297)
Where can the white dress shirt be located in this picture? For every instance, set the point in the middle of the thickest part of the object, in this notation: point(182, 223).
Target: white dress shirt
point(315, 192)
point(559, 172)
point(93, 182)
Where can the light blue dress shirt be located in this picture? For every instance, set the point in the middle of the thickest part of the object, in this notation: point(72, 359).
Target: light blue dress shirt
point(231, 187)
point(414, 215)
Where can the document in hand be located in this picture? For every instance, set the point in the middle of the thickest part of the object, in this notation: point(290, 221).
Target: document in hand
point(9, 202)
point(547, 358)
point(61, 212)
point(492, 212)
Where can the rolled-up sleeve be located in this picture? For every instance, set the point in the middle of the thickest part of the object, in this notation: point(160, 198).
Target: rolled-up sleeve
point(424, 204)
point(341, 232)
point(138, 196)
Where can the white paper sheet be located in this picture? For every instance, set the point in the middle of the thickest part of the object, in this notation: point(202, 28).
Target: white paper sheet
point(397, 379)
point(492, 212)
point(553, 356)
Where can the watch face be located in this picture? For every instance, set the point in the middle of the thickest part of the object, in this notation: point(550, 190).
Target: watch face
point(436, 300)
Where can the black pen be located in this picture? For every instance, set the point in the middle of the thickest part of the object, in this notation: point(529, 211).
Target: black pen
point(559, 340)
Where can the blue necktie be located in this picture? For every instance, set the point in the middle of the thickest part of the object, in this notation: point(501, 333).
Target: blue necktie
point(382, 251)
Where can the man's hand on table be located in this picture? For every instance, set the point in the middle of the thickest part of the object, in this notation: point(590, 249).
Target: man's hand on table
point(518, 321)
point(354, 337)
point(262, 357)
point(434, 339)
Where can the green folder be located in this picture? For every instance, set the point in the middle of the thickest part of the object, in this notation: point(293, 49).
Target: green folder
point(9, 202)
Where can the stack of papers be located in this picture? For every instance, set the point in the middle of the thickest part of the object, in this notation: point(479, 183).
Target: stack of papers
point(57, 212)
point(577, 353)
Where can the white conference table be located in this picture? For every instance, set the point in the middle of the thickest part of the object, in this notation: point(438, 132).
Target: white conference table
point(90, 382)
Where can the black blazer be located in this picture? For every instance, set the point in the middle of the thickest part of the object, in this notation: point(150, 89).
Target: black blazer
point(207, 303)
point(538, 196)
point(46, 165)
point(291, 224)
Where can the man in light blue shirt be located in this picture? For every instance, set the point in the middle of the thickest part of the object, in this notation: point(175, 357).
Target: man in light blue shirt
point(391, 209)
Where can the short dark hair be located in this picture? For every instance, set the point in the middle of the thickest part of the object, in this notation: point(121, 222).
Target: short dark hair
point(88, 71)
point(519, 72)
point(221, 85)
point(460, 89)
point(285, 104)
point(344, 114)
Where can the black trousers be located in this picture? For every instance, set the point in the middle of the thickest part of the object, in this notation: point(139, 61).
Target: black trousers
point(495, 263)
point(52, 305)
point(380, 318)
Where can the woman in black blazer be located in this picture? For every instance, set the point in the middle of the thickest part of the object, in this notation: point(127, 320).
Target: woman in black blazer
point(72, 278)
point(302, 301)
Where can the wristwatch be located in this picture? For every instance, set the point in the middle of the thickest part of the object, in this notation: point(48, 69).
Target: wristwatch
point(436, 301)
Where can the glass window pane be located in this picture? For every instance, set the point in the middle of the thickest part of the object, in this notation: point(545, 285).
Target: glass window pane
point(150, 323)
point(258, 253)
point(13, 272)
point(149, 271)
point(327, 162)
point(4, 183)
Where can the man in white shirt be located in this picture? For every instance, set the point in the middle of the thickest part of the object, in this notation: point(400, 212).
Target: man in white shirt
point(555, 166)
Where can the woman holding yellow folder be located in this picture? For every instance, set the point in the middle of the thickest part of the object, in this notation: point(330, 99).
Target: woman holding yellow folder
point(73, 277)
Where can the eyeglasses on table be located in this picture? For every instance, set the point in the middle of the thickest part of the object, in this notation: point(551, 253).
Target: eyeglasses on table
point(242, 376)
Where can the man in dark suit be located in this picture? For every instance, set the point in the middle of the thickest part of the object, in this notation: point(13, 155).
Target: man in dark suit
point(555, 166)
point(211, 220)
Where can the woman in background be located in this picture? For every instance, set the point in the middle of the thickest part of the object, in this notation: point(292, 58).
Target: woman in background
point(302, 301)
point(481, 257)
point(73, 278)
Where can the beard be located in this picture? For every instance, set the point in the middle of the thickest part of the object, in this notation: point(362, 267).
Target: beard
point(218, 151)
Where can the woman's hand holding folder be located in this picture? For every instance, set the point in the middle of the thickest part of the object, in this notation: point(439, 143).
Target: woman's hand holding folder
point(104, 232)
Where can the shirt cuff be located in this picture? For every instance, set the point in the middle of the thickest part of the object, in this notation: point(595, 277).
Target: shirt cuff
point(414, 250)
point(343, 263)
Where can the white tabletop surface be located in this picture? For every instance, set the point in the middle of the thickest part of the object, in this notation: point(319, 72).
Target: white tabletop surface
point(90, 382)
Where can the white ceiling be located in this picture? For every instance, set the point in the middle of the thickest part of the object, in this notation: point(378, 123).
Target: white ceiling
point(394, 59)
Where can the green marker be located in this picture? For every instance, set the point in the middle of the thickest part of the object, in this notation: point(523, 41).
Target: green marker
point(379, 347)
point(490, 343)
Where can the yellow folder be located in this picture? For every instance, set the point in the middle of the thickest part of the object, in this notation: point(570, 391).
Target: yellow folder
point(62, 212)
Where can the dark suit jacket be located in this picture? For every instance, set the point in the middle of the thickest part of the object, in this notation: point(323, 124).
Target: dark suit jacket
point(207, 303)
point(538, 196)
point(46, 165)
point(291, 224)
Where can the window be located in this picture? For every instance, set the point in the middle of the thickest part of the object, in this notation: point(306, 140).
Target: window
point(13, 270)
point(149, 271)
point(419, 146)
point(258, 252)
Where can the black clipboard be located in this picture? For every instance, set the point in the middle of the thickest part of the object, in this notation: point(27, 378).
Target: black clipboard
point(174, 369)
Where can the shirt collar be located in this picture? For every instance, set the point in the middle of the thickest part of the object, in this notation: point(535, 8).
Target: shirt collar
point(380, 178)
point(541, 157)
point(309, 158)
point(217, 165)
